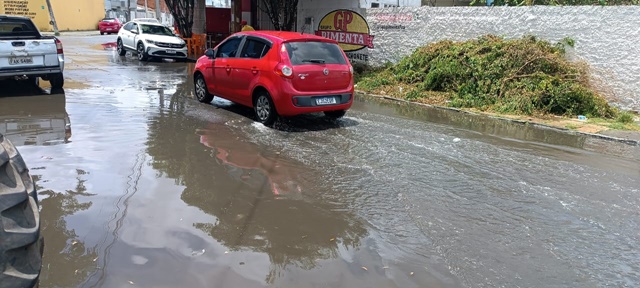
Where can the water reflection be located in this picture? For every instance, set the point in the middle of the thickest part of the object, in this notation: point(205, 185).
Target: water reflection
point(244, 160)
point(35, 120)
point(262, 201)
point(66, 260)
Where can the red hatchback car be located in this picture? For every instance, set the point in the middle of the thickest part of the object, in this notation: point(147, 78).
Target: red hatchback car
point(278, 74)
point(109, 25)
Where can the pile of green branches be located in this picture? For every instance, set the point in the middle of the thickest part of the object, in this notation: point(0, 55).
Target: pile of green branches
point(518, 76)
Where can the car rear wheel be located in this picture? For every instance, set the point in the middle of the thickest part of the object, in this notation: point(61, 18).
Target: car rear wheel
point(202, 93)
point(264, 109)
point(142, 55)
point(21, 244)
point(35, 81)
point(335, 114)
point(120, 48)
point(101, 33)
point(56, 80)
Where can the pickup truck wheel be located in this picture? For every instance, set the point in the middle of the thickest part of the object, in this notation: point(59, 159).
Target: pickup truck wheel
point(22, 245)
point(120, 48)
point(35, 81)
point(142, 55)
point(56, 80)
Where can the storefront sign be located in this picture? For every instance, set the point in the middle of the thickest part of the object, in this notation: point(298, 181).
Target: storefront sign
point(346, 27)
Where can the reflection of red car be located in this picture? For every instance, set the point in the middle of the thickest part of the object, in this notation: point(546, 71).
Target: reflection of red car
point(109, 25)
point(277, 73)
point(281, 173)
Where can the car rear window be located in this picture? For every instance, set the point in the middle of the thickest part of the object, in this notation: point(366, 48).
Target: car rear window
point(108, 20)
point(18, 29)
point(314, 52)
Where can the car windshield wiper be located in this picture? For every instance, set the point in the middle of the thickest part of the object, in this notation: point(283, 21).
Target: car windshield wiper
point(319, 61)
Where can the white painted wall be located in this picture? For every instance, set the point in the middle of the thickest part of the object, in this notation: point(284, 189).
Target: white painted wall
point(605, 37)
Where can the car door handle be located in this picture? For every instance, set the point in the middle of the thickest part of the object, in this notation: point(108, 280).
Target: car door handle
point(254, 70)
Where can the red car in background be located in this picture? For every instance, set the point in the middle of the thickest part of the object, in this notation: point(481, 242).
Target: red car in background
point(109, 25)
point(277, 73)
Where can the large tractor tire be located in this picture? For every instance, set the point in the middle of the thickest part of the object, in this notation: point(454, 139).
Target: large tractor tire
point(21, 245)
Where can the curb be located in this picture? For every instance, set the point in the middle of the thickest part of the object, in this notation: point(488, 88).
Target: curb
point(74, 33)
point(522, 122)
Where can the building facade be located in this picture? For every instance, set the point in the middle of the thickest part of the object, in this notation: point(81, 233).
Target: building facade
point(82, 15)
point(126, 10)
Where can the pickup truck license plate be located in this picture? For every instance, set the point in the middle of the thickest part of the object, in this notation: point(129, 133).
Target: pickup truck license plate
point(171, 51)
point(325, 100)
point(20, 60)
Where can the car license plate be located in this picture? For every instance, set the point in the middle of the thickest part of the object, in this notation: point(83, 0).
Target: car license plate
point(109, 28)
point(325, 100)
point(20, 60)
point(171, 51)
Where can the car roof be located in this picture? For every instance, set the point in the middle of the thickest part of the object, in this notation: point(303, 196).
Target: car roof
point(146, 20)
point(147, 23)
point(282, 36)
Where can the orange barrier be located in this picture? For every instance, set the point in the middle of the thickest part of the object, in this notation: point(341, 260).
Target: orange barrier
point(196, 44)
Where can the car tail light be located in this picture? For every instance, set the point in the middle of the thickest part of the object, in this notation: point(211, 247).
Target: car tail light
point(59, 46)
point(351, 69)
point(284, 71)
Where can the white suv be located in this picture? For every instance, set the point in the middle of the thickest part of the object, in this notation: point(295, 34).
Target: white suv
point(150, 40)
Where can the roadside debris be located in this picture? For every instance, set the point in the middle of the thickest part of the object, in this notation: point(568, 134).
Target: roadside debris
point(197, 253)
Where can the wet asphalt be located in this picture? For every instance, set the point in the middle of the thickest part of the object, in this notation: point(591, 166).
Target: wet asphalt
point(142, 186)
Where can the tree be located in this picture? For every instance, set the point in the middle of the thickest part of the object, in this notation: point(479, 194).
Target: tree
point(282, 13)
point(182, 12)
point(199, 17)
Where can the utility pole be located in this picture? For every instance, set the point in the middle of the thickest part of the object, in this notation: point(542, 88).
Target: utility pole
point(158, 11)
point(53, 19)
point(129, 10)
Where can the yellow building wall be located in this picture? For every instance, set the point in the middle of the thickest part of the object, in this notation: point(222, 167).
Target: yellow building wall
point(71, 15)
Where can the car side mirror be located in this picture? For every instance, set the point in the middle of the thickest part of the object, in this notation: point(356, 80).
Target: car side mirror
point(210, 53)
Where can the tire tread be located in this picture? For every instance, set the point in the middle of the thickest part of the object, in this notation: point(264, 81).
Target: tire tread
point(20, 248)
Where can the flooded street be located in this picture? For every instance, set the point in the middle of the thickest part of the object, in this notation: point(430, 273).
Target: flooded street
point(142, 186)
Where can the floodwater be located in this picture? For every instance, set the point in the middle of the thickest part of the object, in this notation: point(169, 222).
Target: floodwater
point(142, 186)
